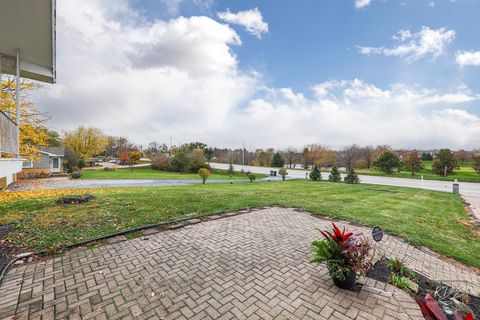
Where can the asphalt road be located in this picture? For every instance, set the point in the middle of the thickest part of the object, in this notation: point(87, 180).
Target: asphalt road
point(469, 191)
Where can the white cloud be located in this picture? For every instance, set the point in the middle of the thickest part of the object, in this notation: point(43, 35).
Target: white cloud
point(468, 58)
point(152, 80)
point(251, 20)
point(414, 46)
point(362, 3)
point(344, 112)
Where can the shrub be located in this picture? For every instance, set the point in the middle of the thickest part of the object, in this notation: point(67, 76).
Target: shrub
point(335, 175)
point(283, 172)
point(444, 163)
point(134, 156)
point(76, 175)
point(70, 159)
point(277, 160)
point(251, 176)
point(203, 173)
point(81, 163)
point(387, 162)
point(108, 169)
point(361, 164)
point(161, 161)
point(179, 161)
point(73, 169)
point(352, 177)
point(196, 160)
point(315, 174)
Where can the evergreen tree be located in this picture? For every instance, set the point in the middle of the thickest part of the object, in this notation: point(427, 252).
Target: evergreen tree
point(426, 156)
point(387, 162)
point(315, 174)
point(444, 163)
point(352, 177)
point(335, 175)
point(277, 160)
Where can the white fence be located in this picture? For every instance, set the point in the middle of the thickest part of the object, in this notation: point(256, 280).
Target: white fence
point(8, 135)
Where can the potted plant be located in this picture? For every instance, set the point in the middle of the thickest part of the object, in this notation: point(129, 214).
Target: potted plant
point(346, 254)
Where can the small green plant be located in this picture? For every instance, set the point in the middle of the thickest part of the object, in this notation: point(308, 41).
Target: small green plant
point(401, 282)
point(315, 174)
point(283, 172)
point(203, 173)
point(398, 267)
point(335, 175)
point(251, 176)
point(352, 178)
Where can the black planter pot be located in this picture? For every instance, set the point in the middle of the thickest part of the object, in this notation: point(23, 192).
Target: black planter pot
point(348, 283)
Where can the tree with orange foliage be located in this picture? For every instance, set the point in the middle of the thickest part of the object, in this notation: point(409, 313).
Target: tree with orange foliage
point(33, 132)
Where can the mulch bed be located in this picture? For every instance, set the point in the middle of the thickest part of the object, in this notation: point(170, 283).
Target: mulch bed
point(76, 199)
point(381, 272)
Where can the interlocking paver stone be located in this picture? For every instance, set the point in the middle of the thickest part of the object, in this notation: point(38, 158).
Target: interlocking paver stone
point(248, 266)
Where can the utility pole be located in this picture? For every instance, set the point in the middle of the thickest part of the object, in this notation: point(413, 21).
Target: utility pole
point(243, 152)
point(17, 102)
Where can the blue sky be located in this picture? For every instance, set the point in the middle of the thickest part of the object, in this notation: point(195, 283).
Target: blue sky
point(315, 41)
point(335, 72)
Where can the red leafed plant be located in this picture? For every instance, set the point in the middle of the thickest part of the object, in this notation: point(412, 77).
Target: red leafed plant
point(337, 236)
point(432, 311)
point(344, 252)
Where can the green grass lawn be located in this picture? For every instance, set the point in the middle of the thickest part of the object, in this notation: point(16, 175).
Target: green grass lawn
point(149, 173)
point(433, 219)
point(464, 173)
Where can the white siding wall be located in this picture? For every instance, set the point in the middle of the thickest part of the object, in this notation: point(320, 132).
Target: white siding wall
point(8, 167)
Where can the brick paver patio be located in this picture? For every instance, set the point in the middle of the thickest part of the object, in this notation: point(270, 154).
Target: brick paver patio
point(253, 265)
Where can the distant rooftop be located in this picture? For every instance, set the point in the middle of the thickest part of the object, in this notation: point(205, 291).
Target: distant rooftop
point(60, 152)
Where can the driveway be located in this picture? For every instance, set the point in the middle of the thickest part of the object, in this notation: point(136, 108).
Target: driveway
point(66, 183)
point(469, 191)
